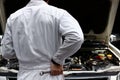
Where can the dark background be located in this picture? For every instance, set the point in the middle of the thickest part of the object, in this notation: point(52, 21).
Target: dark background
point(92, 14)
point(89, 13)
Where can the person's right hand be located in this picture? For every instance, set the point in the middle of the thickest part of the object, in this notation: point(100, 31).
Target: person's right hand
point(56, 69)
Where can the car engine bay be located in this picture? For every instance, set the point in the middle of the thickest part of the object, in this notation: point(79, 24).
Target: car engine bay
point(97, 57)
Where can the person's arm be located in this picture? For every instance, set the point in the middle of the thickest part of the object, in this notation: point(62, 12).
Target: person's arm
point(7, 49)
point(73, 39)
point(73, 35)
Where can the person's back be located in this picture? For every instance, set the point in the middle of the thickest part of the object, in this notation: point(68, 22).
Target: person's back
point(35, 33)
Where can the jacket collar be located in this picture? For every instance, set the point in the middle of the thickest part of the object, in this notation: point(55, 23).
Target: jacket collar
point(35, 2)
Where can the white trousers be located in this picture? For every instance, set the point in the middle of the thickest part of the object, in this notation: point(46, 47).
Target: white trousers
point(35, 75)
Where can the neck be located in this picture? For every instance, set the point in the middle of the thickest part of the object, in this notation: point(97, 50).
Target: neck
point(36, 0)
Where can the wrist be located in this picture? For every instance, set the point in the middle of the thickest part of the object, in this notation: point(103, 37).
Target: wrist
point(54, 62)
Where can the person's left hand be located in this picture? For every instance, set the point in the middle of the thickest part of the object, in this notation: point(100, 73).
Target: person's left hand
point(56, 69)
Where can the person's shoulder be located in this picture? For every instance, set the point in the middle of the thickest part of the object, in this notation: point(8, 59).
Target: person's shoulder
point(16, 13)
point(57, 11)
point(57, 8)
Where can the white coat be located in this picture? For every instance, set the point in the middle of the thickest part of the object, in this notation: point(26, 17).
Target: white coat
point(34, 35)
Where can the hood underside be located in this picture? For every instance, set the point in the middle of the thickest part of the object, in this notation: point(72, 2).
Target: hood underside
point(96, 17)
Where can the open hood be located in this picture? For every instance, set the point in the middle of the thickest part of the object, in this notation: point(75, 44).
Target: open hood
point(96, 17)
point(2, 17)
point(103, 30)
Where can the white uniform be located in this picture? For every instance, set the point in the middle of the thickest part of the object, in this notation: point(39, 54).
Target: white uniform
point(34, 35)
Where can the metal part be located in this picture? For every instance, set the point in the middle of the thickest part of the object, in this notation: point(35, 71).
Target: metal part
point(44, 72)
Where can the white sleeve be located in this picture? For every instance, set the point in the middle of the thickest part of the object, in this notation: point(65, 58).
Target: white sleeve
point(7, 49)
point(73, 38)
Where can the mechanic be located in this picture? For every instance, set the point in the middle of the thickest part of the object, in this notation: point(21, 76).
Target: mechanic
point(34, 35)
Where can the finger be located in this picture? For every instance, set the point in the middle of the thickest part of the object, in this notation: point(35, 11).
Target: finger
point(56, 72)
point(53, 73)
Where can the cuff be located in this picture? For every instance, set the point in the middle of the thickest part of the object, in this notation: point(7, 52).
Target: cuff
point(54, 62)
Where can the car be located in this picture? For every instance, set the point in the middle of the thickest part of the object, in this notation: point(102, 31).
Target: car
point(98, 58)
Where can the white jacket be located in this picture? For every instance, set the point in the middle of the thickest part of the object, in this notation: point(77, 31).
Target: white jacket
point(34, 35)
